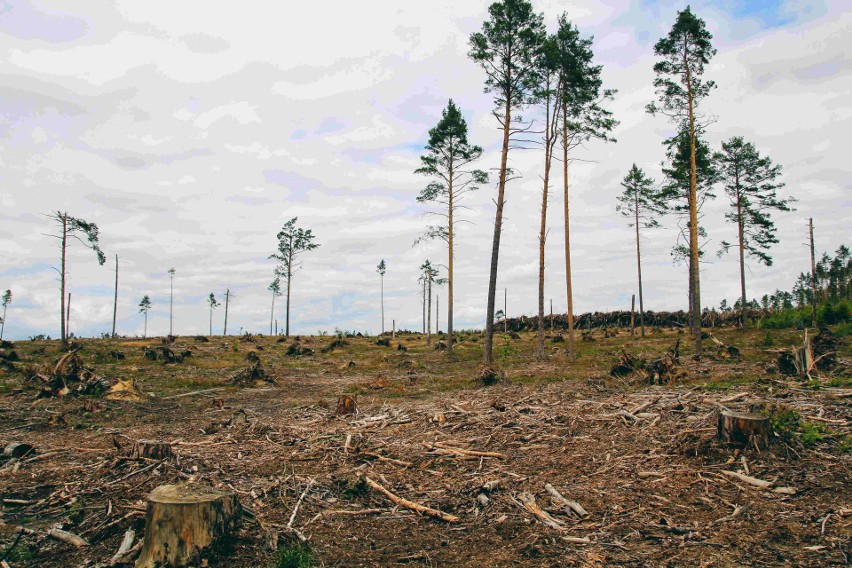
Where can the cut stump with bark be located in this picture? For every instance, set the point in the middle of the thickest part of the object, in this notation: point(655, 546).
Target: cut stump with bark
point(152, 449)
point(182, 521)
point(17, 449)
point(744, 428)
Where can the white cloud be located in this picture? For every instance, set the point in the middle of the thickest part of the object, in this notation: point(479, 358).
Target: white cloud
point(190, 135)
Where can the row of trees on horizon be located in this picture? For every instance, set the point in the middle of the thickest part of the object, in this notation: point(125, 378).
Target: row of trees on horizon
point(548, 94)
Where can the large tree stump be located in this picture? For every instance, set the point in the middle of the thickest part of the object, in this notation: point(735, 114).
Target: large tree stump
point(152, 449)
point(744, 428)
point(182, 521)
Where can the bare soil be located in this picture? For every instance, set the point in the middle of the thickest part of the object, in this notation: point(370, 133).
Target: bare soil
point(641, 459)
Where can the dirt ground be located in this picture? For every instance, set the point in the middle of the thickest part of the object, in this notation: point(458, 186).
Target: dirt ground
point(642, 460)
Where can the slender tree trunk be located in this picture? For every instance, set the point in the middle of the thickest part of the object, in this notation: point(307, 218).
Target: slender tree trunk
point(505, 310)
point(424, 305)
point(450, 253)
point(488, 348)
point(568, 289)
point(64, 246)
point(289, 280)
point(3, 324)
point(639, 267)
point(211, 321)
point(145, 330)
point(695, 296)
point(437, 313)
point(429, 313)
point(68, 316)
point(813, 273)
point(115, 298)
point(171, 300)
point(227, 301)
point(383, 302)
point(272, 314)
point(742, 254)
point(542, 235)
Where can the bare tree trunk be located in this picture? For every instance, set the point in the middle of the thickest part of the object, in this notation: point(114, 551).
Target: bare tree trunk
point(542, 235)
point(211, 321)
point(227, 301)
point(813, 273)
point(568, 289)
point(639, 266)
point(383, 301)
point(115, 299)
point(633, 315)
point(145, 329)
point(429, 313)
point(171, 300)
point(488, 348)
point(289, 280)
point(272, 314)
point(68, 315)
point(695, 296)
point(3, 323)
point(64, 246)
point(742, 255)
point(424, 305)
point(450, 265)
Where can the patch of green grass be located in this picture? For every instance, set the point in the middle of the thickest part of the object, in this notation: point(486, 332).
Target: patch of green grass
point(785, 422)
point(294, 556)
point(839, 382)
point(811, 434)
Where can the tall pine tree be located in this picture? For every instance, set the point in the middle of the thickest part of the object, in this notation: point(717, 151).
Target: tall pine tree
point(751, 184)
point(583, 119)
point(507, 50)
point(683, 53)
point(447, 162)
point(641, 204)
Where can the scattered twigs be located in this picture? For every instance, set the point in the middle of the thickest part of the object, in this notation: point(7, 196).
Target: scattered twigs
point(527, 501)
point(411, 504)
point(566, 503)
point(296, 508)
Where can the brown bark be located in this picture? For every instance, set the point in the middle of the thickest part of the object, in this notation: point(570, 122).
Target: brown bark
point(744, 428)
point(182, 521)
point(639, 266)
point(741, 230)
point(695, 289)
point(115, 298)
point(568, 289)
point(152, 449)
point(542, 236)
point(488, 347)
point(64, 337)
point(450, 264)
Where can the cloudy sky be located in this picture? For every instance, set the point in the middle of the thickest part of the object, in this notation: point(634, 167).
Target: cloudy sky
point(191, 131)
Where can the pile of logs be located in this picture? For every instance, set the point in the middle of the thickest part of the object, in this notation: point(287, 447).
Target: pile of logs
point(165, 354)
point(252, 375)
point(663, 369)
point(70, 375)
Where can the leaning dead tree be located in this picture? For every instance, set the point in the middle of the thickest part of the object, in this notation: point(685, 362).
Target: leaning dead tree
point(71, 228)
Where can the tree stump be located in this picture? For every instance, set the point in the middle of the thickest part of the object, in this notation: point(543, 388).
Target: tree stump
point(744, 428)
point(17, 449)
point(152, 449)
point(182, 521)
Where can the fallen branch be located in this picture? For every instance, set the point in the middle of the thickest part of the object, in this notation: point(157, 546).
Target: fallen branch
point(193, 393)
point(527, 501)
point(753, 481)
point(567, 503)
point(462, 452)
point(412, 505)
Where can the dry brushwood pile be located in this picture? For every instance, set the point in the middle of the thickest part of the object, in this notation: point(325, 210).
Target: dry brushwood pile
point(559, 463)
